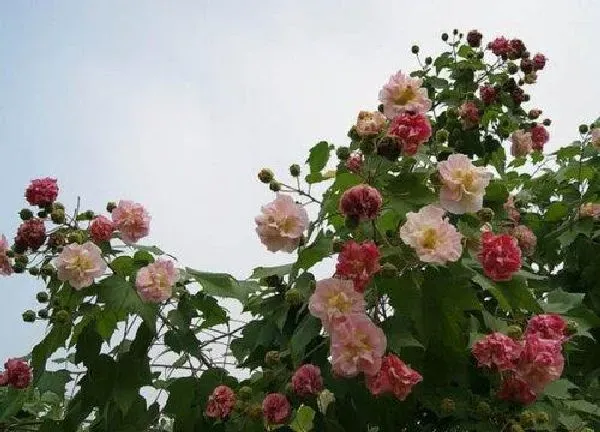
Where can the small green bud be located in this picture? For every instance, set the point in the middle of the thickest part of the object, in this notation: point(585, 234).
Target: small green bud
point(88, 214)
point(272, 281)
point(293, 297)
point(452, 113)
point(483, 409)
point(62, 316)
point(414, 49)
point(272, 358)
point(58, 205)
point(76, 237)
point(352, 222)
point(455, 31)
point(448, 406)
point(342, 153)
point(34, 271)
point(512, 68)
point(514, 332)
point(28, 316)
point(43, 313)
point(43, 214)
point(21, 259)
point(441, 136)
point(583, 128)
point(110, 206)
point(444, 37)
point(240, 406)
point(530, 78)
point(42, 297)
point(295, 170)
point(572, 327)
point(289, 389)
point(389, 270)
point(25, 214)
point(10, 253)
point(245, 393)
point(547, 122)
point(265, 175)
point(18, 267)
point(275, 186)
point(58, 216)
point(428, 60)
point(486, 214)
point(47, 270)
point(527, 419)
point(254, 411)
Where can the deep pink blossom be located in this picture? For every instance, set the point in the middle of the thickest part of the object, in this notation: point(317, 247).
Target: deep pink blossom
point(307, 380)
point(393, 377)
point(355, 162)
point(548, 326)
point(17, 374)
point(276, 408)
point(541, 361)
point(517, 390)
point(410, 130)
point(497, 351)
point(469, 115)
point(539, 137)
point(220, 402)
point(101, 229)
point(358, 262)
point(362, 202)
point(155, 282)
point(488, 94)
point(31, 234)
point(500, 256)
point(539, 61)
point(500, 46)
point(42, 192)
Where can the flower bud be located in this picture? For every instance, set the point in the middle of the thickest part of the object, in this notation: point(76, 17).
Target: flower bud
point(22, 259)
point(293, 297)
point(62, 316)
point(76, 237)
point(512, 68)
point(88, 215)
point(474, 38)
point(275, 186)
point(272, 281)
point(34, 271)
point(18, 267)
point(265, 175)
point(428, 60)
point(547, 122)
point(43, 313)
point(441, 136)
point(245, 393)
point(42, 214)
point(295, 170)
point(240, 406)
point(352, 222)
point(28, 316)
point(26, 214)
point(42, 297)
point(530, 78)
point(10, 253)
point(572, 327)
point(414, 49)
point(455, 32)
point(254, 411)
point(448, 406)
point(514, 332)
point(272, 358)
point(389, 270)
point(289, 389)
point(583, 128)
point(110, 206)
point(534, 114)
point(486, 214)
point(444, 37)
point(58, 216)
point(527, 419)
point(483, 409)
point(47, 270)
point(58, 205)
point(342, 153)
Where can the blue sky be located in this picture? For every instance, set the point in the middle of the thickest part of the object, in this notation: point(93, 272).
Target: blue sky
point(178, 104)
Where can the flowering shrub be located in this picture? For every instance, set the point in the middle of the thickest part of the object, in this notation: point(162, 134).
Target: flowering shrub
point(463, 294)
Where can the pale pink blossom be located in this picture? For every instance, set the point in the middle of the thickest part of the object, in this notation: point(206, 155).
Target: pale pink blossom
point(357, 345)
point(590, 210)
point(403, 93)
point(463, 184)
point(132, 220)
point(5, 266)
point(511, 211)
point(334, 300)
point(434, 239)
point(80, 264)
point(369, 123)
point(522, 143)
point(281, 224)
point(526, 239)
point(155, 282)
point(595, 137)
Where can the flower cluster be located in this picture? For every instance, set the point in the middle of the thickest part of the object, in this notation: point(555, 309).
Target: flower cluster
point(528, 365)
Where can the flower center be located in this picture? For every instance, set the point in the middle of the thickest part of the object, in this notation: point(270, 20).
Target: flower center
point(359, 345)
point(83, 263)
point(429, 239)
point(340, 302)
point(287, 224)
point(466, 178)
point(404, 96)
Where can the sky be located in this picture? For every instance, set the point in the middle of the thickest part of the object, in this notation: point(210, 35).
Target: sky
point(178, 104)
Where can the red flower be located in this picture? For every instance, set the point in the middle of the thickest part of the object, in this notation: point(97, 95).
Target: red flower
point(362, 202)
point(31, 234)
point(517, 49)
point(500, 256)
point(410, 130)
point(307, 380)
point(354, 162)
point(539, 61)
point(539, 137)
point(101, 229)
point(17, 374)
point(276, 408)
point(517, 390)
point(548, 326)
point(220, 402)
point(497, 350)
point(488, 94)
point(393, 377)
point(42, 192)
point(500, 46)
point(358, 262)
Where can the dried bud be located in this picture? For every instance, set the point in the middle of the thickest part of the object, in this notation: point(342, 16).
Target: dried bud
point(514, 332)
point(272, 358)
point(265, 175)
point(110, 206)
point(530, 78)
point(474, 38)
point(26, 214)
point(28, 316)
point(486, 214)
point(534, 114)
point(42, 297)
point(295, 170)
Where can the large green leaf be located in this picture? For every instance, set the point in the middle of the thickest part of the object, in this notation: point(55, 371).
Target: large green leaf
point(219, 284)
point(120, 296)
point(318, 156)
point(306, 331)
point(317, 251)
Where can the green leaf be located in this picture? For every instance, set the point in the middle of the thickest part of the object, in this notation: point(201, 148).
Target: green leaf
point(11, 403)
point(560, 301)
point(123, 265)
point(303, 420)
point(55, 339)
point(120, 296)
point(496, 192)
point(308, 329)
point(212, 313)
point(318, 157)
point(511, 295)
point(556, 212)
point(54, 381)
point(559, 389)
point(584, 407)
point(219, 284)
point(262, 272)
point(319, 249)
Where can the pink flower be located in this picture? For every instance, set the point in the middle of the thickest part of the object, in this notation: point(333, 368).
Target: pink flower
point(42, 192)
point(539, 137)
point(5, 265)
point(101, 229)
point(526, 239)
point(522, 143)
point(393, 377)
point(355, 162)
point(17, 374)
point(403, 93)
point(281, 224)
point(463, 184)
point(469, 115)
point(362, 202)
point(488, 94)
point(276, 408)
point(539, 61)
point(357, 345)
point(410, 130)
point(500, 256)
point(80, 264)
point(541, 361)
point(220, 402)
point(431, 235)
point(590, 210)
point(132, 220)
point(358, 262)
point(31, 234)
point(155, 282)
point(512, 212)
point(500, 46)
point(548, 326)
point(517, 390)
point(333, 300)
point(369, 123)
point(595, 137)
point(307, 380)
point(497, 350)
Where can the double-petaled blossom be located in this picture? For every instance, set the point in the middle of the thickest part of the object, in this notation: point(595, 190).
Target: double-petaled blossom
point(31, 234)
point(522, 143)
point(403, 93)
point(541, 361)
point(281, 224)
point(5, 264)
point(433, 238)
point(526, 239)
point(42, 192)
point(590, 210)
point(394, 377)
point(469, 115)
point(355, 162)
point(17, 374)
point(410, 130)
point(488, 94)
point(463, 184)
point(500, 46)
point(539, 61)
point(80, 264)
point(539, 137)
point(370, 123)
point(276, 408)
point(497, 351)
point(334, 300)
point(155, 282)
point(101, 229)
point(548, 326)
point(358, 262)
point(357, 345)
point(511, 211)
point(499, 255)
point(362, 202)
point(516, 389)
point(132, 220)
point(307, 380)
point(220, 402)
